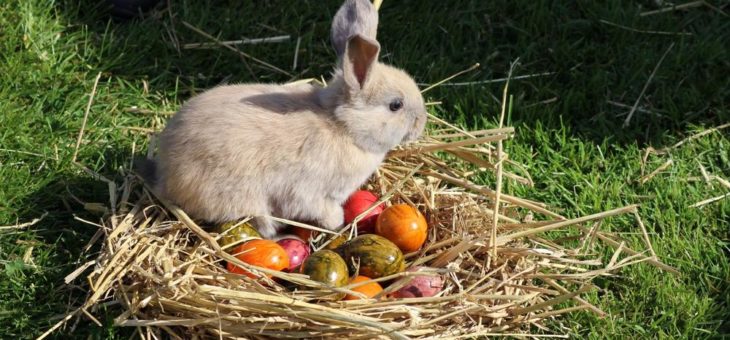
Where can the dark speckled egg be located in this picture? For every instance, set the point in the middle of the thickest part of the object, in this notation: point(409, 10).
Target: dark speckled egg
point(336, 243)
point(327, 267)
point(236, 234)
point(377, 256)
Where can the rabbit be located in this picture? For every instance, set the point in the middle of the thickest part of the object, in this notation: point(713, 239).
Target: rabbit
point(291, 151)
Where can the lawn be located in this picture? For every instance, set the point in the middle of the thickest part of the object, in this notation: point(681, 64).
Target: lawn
point(583, 66)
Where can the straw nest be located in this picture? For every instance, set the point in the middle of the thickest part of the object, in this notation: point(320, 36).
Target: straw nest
point(506, 269)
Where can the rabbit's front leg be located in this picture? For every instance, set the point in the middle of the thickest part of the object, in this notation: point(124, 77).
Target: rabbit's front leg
point(266, 226)
point(331, 215)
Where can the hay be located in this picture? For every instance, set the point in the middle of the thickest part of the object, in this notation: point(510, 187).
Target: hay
point(166, 272)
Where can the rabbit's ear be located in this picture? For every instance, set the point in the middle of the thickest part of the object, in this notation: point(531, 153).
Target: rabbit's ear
point(353, 17)
point(360, 55)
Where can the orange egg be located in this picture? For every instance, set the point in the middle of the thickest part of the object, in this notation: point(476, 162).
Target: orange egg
point(369, 289)
point(260, 253)
point(403, 225)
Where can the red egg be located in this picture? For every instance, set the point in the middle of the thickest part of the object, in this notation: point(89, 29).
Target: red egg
point(297, 250)
point(358, 202)
point(420, 286)
point(303, 233)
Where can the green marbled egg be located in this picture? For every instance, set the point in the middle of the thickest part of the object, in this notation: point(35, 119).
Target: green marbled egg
point(336, 243)
point(236, 234)
point(377, 256)
point(327, 267)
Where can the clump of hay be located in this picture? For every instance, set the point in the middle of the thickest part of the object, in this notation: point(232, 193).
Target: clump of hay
point(505, 269)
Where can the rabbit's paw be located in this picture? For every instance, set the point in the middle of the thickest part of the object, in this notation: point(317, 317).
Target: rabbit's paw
point(266, 227)
point(332, 216)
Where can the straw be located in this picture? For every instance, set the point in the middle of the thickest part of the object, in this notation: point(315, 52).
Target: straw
point(503, 273)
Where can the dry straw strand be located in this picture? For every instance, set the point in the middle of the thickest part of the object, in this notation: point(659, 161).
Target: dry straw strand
point(646, 86)
point(86, 117)
point(230, 47)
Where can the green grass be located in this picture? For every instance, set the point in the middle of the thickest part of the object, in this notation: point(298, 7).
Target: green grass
point(568, 134)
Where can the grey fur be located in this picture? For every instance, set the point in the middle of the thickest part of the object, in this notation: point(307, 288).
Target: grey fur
point(292, 151)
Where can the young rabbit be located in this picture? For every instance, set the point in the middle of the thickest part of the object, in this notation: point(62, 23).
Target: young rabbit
point(295, 152)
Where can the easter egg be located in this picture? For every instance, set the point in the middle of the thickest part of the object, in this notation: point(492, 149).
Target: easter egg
point(420, 286)
point(376, 255)
point(260, 253)
point(303, 233)
point(235, 233)
point(327, 267)
point(369, 289)
point(338, 241)
point(403, 225)
point(296, 249)
point(358, 203)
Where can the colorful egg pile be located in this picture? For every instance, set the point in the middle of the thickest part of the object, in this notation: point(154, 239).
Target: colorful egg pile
point(385, 235)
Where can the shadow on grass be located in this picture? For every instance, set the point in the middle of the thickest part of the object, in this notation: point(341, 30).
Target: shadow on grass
point(62, 243)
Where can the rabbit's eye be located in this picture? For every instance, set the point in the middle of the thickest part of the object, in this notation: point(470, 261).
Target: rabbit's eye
point(396, 105)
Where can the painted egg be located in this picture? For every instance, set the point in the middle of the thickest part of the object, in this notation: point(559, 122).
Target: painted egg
point(420, 286)
point(260, 253)
point(376, 255)
point(403, 225)
point(296, 249)
point(336, 243)
point(327, 267)
point(358, 203)
point(368, 289)
point(303, 233)
point(235, 233)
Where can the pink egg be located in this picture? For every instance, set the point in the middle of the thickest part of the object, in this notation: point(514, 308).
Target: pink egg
point(420, 286)
point(296, 249)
